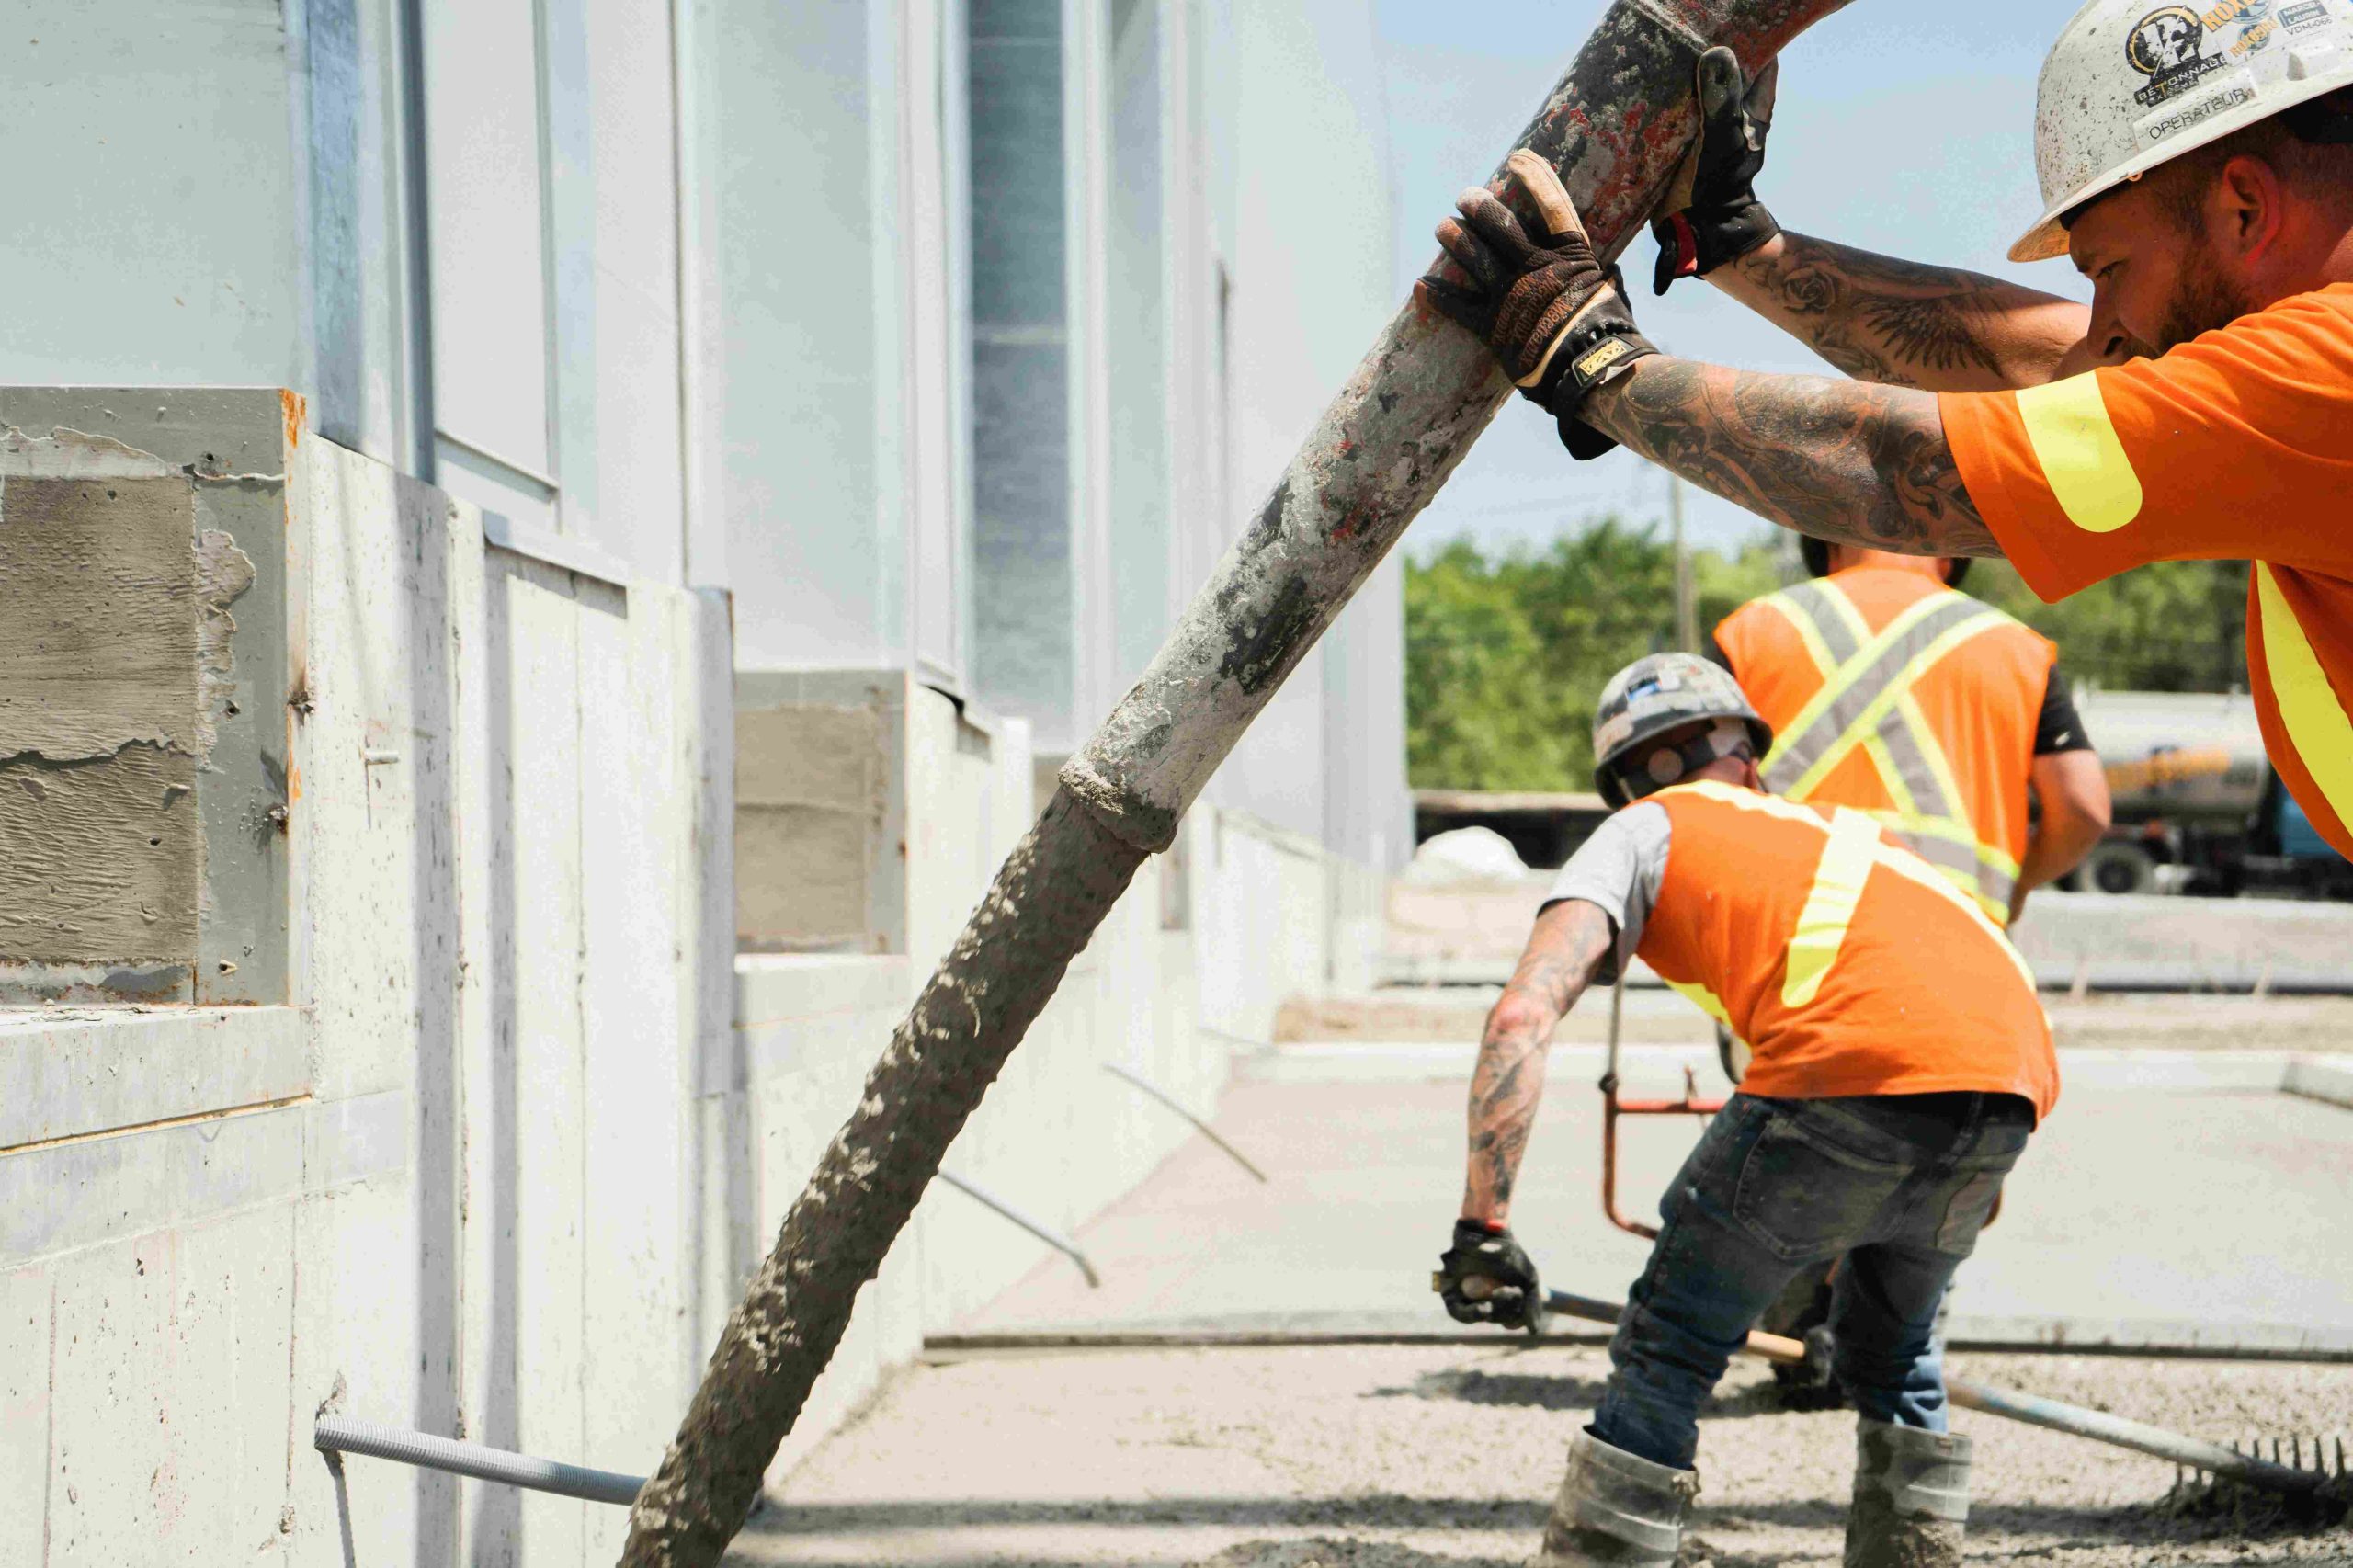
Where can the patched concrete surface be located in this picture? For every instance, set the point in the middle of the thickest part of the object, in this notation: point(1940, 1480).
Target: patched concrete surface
point(1402, 1456)
point(2219, 1210)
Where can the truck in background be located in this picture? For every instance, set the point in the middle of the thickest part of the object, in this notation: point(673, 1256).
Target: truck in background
point(2199, 809)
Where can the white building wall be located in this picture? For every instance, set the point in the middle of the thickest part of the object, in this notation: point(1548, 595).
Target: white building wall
point(499, 1165)
point(1301, 312)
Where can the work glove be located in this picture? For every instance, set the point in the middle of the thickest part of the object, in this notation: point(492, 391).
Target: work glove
point(1540, 301)
point(1485, 1277)
point(1719, 219)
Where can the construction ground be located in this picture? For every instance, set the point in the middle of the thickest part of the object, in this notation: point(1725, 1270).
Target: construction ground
point(1263, 1379)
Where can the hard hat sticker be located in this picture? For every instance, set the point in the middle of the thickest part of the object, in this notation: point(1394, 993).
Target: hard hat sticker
point(2304, 18)
point(2163, 47)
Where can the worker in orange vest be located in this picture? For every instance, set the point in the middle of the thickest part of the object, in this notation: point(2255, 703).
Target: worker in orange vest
point(1901, 1062)
point(1894, 692)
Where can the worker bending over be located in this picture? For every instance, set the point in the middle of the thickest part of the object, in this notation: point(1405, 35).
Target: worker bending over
point(2202, 176)
point(1901, 1061)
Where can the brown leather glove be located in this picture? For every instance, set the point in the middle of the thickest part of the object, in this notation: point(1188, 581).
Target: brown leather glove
point(1541, 300)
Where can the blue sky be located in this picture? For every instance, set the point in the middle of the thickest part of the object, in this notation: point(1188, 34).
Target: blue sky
point(1902, 128)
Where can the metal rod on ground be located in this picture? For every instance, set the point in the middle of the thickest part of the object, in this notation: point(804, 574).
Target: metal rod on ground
point(1200, 1126)
point(1617, 126)
point(1053, 1238)
point(339, 1435)
point(2098, 1425)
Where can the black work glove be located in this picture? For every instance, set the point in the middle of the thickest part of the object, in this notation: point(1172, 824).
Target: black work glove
point(1542, 301)
point(1501, 1280)
point(1721, 220)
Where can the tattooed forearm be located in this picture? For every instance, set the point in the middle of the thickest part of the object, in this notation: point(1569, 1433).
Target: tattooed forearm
point(1840, 460)
point(1570, 940)
point(1902, 324)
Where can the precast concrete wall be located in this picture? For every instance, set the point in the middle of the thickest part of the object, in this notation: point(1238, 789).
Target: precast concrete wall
point(1185, 975)
point(451, 1180)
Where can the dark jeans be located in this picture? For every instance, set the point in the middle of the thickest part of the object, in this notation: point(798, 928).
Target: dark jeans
point(1899, 1184)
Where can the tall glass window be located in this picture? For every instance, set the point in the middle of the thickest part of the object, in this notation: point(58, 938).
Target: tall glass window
point(1024, 660)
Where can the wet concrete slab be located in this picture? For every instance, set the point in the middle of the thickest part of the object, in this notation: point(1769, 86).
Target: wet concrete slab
point(2154, 1207)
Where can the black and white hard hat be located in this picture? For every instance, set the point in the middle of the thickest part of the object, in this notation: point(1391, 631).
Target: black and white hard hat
point(1654, 694)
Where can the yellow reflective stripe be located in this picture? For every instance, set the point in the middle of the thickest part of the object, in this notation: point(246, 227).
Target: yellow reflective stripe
point(1852, 615)
point(2309, 706)
point(1951, 832)
point(1894, 856)
point(1913, 870)
point(1803, 624)
point(1707, 1001)
point(1867, 720)
point(1889, 774)
point(2074, 440)
point(1747, 800)
point(1847, 855)
point(1834, 688)
point(1925, 737)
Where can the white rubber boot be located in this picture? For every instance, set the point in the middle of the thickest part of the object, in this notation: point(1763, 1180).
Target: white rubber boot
point(1910, 1497)
point(1616, 1510)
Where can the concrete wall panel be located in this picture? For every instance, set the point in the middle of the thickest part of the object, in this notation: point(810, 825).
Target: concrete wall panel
point(170, 1393)
point(27, 1321)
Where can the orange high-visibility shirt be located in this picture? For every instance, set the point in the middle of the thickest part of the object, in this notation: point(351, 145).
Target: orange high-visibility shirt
point(1847, 963)
point(2235, 446)
point(1892, 693)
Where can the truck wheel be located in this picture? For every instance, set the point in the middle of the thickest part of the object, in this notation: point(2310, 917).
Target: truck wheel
point(2119, 867)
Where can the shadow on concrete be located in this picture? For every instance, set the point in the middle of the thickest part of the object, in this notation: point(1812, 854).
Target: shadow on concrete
point(781, 1517)
point(1529, 1391)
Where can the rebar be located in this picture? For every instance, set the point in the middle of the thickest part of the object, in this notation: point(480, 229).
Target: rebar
point(1037, 1228)
point(1206, 1130)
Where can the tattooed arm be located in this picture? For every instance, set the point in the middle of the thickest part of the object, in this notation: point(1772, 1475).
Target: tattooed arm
point(1564, 953)
point(1841, 460)
point(1903, 324)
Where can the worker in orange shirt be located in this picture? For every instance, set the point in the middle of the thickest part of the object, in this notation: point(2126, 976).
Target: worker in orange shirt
point(1901, 1060)
point(2198, 167)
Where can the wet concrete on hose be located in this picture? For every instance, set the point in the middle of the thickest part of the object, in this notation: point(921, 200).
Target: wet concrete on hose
point(1401, 1456)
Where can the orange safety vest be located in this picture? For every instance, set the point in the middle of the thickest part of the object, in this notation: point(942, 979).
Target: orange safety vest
point(1845, 960)
point(1888, 692)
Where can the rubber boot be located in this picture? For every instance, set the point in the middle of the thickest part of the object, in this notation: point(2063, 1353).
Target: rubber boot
point(1615, 1509)
point(1910, 1497)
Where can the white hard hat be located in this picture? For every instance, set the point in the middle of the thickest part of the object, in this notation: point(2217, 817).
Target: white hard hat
point(2131, 84)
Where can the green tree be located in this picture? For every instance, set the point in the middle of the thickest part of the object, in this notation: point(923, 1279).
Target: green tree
point(1505, 653)
point(2174, 625)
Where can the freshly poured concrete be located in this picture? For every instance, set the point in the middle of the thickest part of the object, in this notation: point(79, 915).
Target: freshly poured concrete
point(2216, 1214)
point(1403, 1455)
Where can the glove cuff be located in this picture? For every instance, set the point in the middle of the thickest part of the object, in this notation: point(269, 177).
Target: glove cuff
point(1695, 242)
point(1594, 353)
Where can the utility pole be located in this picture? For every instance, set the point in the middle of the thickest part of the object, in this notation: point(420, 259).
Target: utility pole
point(1686, 612)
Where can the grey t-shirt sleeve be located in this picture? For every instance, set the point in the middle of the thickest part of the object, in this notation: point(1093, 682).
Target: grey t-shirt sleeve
point(1619, 869)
